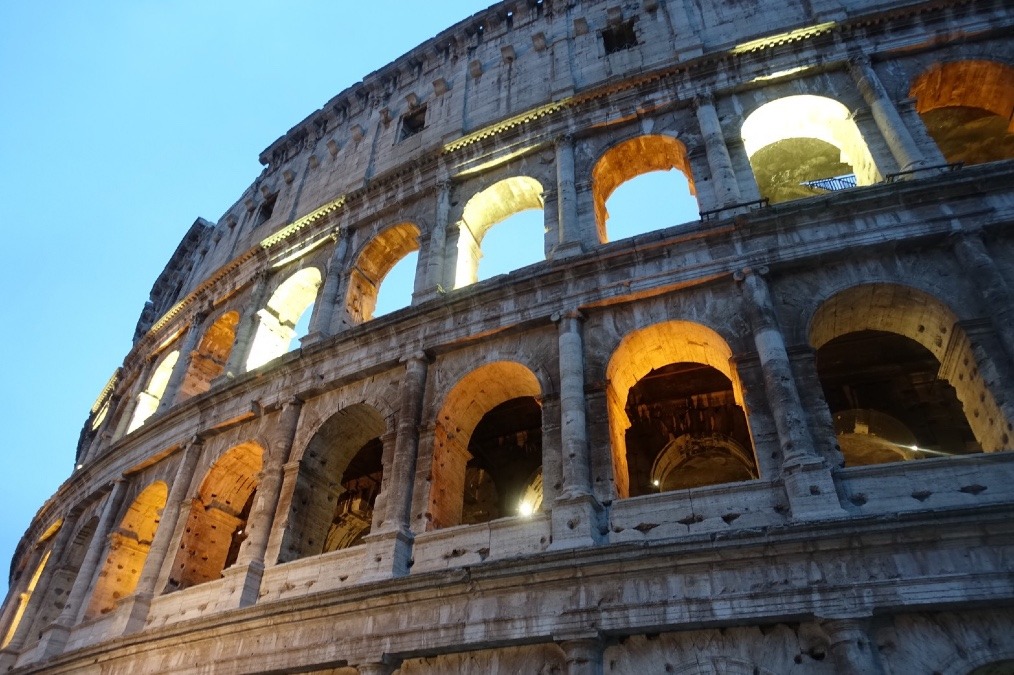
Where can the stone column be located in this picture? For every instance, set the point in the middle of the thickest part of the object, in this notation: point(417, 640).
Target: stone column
point(140, 602)
point(808, 480)
point(803, 358)
point(552, 450)
point(576, 514)
point(172, 387)
point(236, 363)
point(323, 310)
point(583, 655)
point(249, 568)
point(905, 150)
point(851, 648)
point(723, 178)
point(54, 638)
point(390, 549)
point(436, 253)
point(570, 242)
point(21, 631)
point(376, 668)
point(973, 256)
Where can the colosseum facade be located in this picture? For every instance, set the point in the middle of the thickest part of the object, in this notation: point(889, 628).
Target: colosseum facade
point(767, 440)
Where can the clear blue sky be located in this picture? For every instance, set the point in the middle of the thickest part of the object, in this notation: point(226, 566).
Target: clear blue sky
point(122, 121)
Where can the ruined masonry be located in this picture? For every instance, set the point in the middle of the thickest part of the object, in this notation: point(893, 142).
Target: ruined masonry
point(769, 435)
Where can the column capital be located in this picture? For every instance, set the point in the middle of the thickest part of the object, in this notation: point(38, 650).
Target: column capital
point(574, 313)
point(564, 139)
point(703, 98)
point(742, 274)
point(419, 356)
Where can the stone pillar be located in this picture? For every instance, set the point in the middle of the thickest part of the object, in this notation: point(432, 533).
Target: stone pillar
point(323, 310)
point(390, 549)
point(246, 329)
point(140, 602)
point(570, 242)
point(583, 655)
point(998, 299)
point(905, 150)
point(54, 638)
point(552, 450)
point(21, 631)
point(576, 514)
point(804, 369)
point(851, 648)
point(723, 177)
point(172, 387)
point(436, 253)
point(808, 481)
point(249, 568)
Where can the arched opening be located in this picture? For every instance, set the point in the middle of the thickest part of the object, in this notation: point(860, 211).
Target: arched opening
point(209, 359)
point(216, 526)
point(128, 549)
point(801, 146)
point(659, 174)
point(676, 414)
point(493, 206)
point(340, 475)
point(148, 400)
point(487, 448)
point(277, 321)
point(33, 581)
point(968, 109)
point(372, 266)
point(61, 579)
point(901, 379)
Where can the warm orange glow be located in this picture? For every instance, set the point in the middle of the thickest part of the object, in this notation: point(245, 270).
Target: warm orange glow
point(277, 321)
point(374, 262)
point(148, 400)
point(23, 599)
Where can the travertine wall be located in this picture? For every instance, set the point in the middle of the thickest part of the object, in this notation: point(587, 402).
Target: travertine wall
point(810, 568)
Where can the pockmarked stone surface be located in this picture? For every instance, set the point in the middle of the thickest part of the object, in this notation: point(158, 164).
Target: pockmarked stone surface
point(772, 438)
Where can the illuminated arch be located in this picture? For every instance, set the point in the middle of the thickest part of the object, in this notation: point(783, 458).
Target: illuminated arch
point(869, 310)
point(968, 109)
point(374, 262)
point(128, 549)
point(486, 209)
point(209, 359)
point(653, 349)
point(339, 479)
point(476, 394)
point(33, 581)
point(277, 321)
point(148, 400)
point(630, 159)
point(796, 139)
point(217, 522)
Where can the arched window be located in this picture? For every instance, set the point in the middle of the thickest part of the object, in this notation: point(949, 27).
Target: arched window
point(487, 448)
point(967, 108)
point(493, 206)
point(128, 549)
point(377, 259)
point(339, 479)
point(209, 359)
point(33, 582)
point(800, 146)
point(653, 186)
point(900, 378)
point(277, 322)
point(148, 400)
point(216, 527)
point(676, 414)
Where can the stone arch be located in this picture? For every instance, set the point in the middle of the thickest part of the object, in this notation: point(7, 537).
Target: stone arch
point(276, 326)
point(25, 597)
point(873, 311)
point(64, 573)
point(968, 109)
point(218, 514)
point(717, 428)
point(373, 263)
point(128, 549)
point(149, 399)
point(796, 144)
point(485, 209)
point(465, 407)
point(209, 359)
point(339, 479)
point(629, 159)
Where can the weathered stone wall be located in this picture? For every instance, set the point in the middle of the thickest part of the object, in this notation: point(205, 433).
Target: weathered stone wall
point(814, 566)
